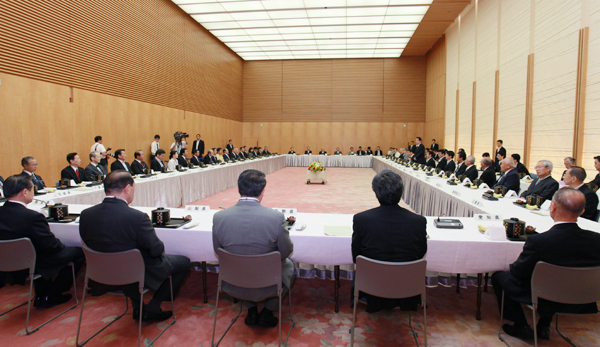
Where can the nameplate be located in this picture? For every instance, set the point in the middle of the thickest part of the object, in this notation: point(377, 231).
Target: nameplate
point(477, 203)
point(487, 217)
point(197, 208)
point(455, 192)
point(286, 210)
point(438, 185)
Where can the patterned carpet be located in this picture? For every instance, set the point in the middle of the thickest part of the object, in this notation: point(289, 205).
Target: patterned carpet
point(450, 316)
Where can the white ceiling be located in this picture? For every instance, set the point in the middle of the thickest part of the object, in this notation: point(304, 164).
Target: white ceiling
point(310, 29)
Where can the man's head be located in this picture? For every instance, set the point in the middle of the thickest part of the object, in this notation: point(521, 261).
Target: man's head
point(95, 158)
point(198, 137)
point(569, 161)
point(160, 154)
point(120, 154)
point(337, 148)
point(499, 143)
point(98, 139)
point(507, 164)
point(229, 141)
point(251, 183)
point(73, 159)
point(485, 163)
point(236, 150)
point(369, 148)
point(575, 176)
point(516, 157)
point(433, 140)
point(120, 184)
point(322, 149)
point(307, 147)
point(429, 154)
point(19, 188)
point(543, 168)
point(418, 139)
point(196, 152)
point(499, 156)
point(485, 155)
point(360, 148)
point(156, 137)
point(597, 162)
point(449, 155)
point(567, 204)
point(351, 148)
point(210, 152)
point(139, 155)
point(462, 156)
point(29, 164)
point(388, 187)
point(183, 152)
point(220, 151)
point(470, 160)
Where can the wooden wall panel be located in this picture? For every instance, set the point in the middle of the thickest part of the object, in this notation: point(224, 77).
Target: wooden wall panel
point(404, 89)
point(435, 109)
point(262, 90)
point(357, 87)
point(307, 88)
point(149, 51)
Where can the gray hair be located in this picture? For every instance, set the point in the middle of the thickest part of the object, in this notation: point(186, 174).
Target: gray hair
point(487, 162)
point(546, 163)
point(570, 199)
point(510, 162)
point(471, 159)
point(570, 160)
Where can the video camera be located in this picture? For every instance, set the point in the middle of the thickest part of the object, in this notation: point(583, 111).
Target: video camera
point(180, 136)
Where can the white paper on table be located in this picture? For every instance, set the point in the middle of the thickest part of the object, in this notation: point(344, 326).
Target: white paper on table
point(484, 186)
point(546, 205)
point(466, 180)
point(452, 177)
point(510, 194)
point(496, 233)
point(73, 183)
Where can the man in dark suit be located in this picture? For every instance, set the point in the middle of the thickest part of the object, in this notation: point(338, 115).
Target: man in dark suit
point(430, 160)
point(460, 164)
point(52, 257)
point(434, 146)
point(138, 165)
point(565, 244)
point(182, 158)
point(544, 185)
point(488, 176)
point(208, 158)
point(470, 170)
point(378, 152)
point(510, 177)
point(291, 151)
point(125, 229)
point(337, 151)
point(568, 161)
point(419, 152)
point(369, 151)
point(360, 151)
point(158, 161)
point(94, 168)
point(120, 163)
point(450, 164)
point(441, 160)
point(596, 180)
point(322, 151)
point(195, 160)
point(499, 150)
point(266, 151)
point(308, 151)
point(389, 233)
point(574, 178)
point(226, 157)
point(499, 159)
point(29, 165)
point(73, 171)
point(199, 145)
point(521, 169)
point(229, 146)
point(1, 185)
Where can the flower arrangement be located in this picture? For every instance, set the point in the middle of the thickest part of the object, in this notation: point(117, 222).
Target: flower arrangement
point(316, 166)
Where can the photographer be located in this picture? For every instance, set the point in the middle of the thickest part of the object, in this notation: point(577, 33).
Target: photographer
point(104, 153)
point(180, 141)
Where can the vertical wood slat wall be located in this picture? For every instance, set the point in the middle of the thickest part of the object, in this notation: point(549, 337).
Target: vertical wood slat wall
point(560, 91)
point(435, 119)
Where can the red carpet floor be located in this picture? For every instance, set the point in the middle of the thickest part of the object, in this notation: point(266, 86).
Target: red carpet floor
point(450, 316)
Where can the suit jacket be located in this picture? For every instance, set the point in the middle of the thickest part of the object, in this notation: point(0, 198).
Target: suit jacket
point(182, 161)
point(369, 152)
point(596, 180)
point(442, 164)
point(207, 160)
point(522, 169)
point(591, 202)
point(112, 226)
point(337, 153)
point(361, 153)
point(225, 158)
point(195, 161)
point(378, 152)
point(199, 145)
point(471, 173)
point(117, 165)
point(307, 152)
point(229, 147)
point(137, 168)
point(419, 154)
point(249, 228)
point(546, 188)
point(291, 152)
point(510, 180)
point(69, 173)
point(322, 152)
point(434, 147)
point(37, 181)
point(92, 171)
point(155, 165)
point(500, 150)
point(488, 176)
point(450, 166)
point(461, 169)
point(17, 221)
point(431, 162)
point(562, 245)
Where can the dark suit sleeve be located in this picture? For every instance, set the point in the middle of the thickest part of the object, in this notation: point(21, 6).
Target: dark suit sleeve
point(549, 190)
point(423, 238)
point(82, 175)
point(512, 182)
point(65, 173)
point(136, 168)
point(285, 246)
point(357, 237)
point(147, 239)
point(472, 174)
point(523, 267)
point(42, 238)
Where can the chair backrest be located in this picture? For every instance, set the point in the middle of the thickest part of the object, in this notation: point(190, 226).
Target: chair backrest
point(569, 285)
point(18, 254)
point(390, 280)
point(250, 271)
point(115, 269)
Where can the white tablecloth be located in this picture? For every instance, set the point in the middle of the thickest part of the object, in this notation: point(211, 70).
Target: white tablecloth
point(329, 160)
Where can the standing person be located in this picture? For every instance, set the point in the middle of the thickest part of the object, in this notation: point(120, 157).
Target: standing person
point(30, 165)
point(179, 142)
point(434, 146)
point(229, 146)
point(126, 229)
point(419, 152)
point(104, 153)
point(499, 150)
point(199, 145)
point(389, 233)
point(248, 228)
point(154, 146)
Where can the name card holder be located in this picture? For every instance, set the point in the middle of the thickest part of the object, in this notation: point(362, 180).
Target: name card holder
point(477, 203)
point(487, 217)
point(197, 208)
point(286, 210)
point(511, 193)
point(455, 192)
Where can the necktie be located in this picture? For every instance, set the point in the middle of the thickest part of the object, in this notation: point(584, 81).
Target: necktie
point(77, 172)
point(125, 166)
point(34, 179)
point(100, 169)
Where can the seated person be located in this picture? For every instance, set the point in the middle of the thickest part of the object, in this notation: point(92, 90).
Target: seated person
point(52, 257)
point(488, 176)
point(258, 151)
point(322, 151)
point(441, 160)
point(520, 167)
point(219, 154)
point(564, 244)
point(173, 162)
point(225, 155)
point(138, 165)
point(208, 158)
point(94, 168)
point(127, 229)
point(361, 151)
point(30, 165)
point(308, 151)
point(574, 178)
point(460, 163)
point(337, 151)
point(120, 163)
point(73, 171)
point(351, 151)
point(510, 178)
point(158, 163)
point(499, 158)
point(378, 152)
point(291, 151)
point(486, 155)
point(429, 157)
point(235, 154)
point(195, 160)
point(568, 162)
point(249, 228)
point(544, 185)
point(471, 171)
point(389, 233)
point(182, 157)
point(369, 151)
point(450, 164)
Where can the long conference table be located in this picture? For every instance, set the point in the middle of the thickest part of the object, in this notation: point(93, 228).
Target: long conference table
point(449, 251)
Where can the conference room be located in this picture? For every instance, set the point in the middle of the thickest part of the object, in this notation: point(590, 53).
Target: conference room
point(187, 95)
